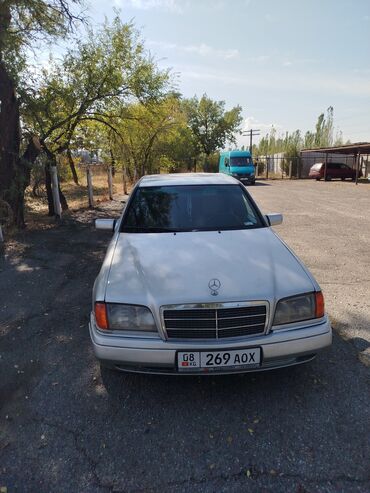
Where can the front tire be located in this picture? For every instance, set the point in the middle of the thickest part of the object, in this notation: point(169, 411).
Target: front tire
point(328, 178)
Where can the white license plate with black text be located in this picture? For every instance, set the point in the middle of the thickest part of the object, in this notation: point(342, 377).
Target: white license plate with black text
point(193, 360)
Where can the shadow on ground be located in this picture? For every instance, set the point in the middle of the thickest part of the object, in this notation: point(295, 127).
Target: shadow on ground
point(64, 426)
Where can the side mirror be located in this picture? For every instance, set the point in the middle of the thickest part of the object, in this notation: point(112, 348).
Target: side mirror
point(106, 224)
point(274, 219)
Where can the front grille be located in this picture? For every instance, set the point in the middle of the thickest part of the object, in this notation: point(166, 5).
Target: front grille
point(214, 323)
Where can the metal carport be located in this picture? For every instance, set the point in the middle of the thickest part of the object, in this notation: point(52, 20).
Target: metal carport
point(357, 149)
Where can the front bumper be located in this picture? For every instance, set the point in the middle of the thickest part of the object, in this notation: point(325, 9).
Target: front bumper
point(248, 180)
point(148, 355)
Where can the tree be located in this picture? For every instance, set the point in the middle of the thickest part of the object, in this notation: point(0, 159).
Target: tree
point(211, 125)
point(94, 82)
point(22, 23)
point(145, 134)
point(293, 142)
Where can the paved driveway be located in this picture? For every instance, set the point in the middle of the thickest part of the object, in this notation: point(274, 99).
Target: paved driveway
point(65, 427)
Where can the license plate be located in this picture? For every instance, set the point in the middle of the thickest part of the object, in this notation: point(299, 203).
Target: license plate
point(213, 360)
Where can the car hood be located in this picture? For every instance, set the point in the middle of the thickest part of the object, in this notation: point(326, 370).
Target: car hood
point(157, 269)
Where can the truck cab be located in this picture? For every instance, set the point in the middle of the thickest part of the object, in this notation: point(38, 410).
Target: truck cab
point(238, 164)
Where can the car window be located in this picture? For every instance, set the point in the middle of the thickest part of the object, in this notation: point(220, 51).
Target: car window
point(190, 208)
point(240, 161)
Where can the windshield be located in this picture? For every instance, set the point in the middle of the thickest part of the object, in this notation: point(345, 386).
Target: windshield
point(190, 208)
point(240, 161)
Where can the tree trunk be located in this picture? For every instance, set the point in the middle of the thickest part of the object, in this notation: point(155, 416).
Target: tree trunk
point(72, 166)
point(11, 171)
point(112, 162)
point(124, 177)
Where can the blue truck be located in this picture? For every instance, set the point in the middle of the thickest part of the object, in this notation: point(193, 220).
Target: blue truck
point(238, 164)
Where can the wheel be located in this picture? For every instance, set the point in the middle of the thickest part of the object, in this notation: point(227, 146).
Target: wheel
point(342, 179)
point(328, 178)
point(318, 179)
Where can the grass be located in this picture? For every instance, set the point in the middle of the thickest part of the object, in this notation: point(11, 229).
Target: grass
point(76, 195)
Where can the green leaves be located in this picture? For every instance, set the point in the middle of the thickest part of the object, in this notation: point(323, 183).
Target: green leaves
point(292, 143)
point(95, 79)
point(211, 125)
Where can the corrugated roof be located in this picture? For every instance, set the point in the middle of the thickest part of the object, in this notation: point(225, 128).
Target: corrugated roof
point(357, 147)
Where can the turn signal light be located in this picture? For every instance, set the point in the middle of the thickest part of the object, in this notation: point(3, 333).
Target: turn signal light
point(320, 305)
point(101, 316)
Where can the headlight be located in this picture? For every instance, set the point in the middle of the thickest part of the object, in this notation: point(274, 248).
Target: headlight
point(299, 308)
point(125, 317)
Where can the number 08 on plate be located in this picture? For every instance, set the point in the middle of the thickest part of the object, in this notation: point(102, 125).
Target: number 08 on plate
point(213, 360)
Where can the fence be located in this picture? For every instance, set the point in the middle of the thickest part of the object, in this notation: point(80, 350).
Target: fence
point(280, 166)
point(101, 180)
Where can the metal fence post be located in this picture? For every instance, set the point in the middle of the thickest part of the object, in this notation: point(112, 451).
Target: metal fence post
point(55, 191)
point(89, 187)
point(357, 166)
point(326, 165)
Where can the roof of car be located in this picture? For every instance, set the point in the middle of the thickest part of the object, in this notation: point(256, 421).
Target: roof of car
point(329, 163)
point(187, 179)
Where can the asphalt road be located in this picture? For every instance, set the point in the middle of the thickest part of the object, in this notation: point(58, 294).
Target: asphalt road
point(65, 427)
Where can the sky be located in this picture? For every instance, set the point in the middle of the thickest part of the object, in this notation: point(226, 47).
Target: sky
point(283, 61)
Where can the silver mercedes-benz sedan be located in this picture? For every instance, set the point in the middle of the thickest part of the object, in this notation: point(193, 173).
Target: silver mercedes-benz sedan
point(195, 281)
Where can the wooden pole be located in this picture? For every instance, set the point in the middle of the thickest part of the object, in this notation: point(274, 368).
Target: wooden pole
point(124, 178)
point(326, 165)
point(89, 187)
point(290, 169)
point(55, 191)
point(267, 168)
point(110, 182)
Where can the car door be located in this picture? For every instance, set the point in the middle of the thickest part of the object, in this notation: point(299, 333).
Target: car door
point(333, 170)
point(345, 171)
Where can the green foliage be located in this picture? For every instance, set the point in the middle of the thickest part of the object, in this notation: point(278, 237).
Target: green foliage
point(154, 136)
point(25, 23)
point(211, 125)
point(292, 143)
point(94, 81)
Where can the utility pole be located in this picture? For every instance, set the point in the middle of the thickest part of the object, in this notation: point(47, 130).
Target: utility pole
point(251, 133)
